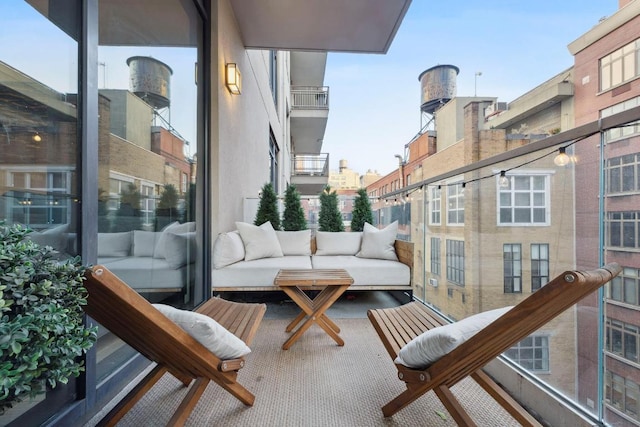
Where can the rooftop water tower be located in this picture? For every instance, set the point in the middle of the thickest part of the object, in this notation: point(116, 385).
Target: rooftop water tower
point(150, 80)
point(438, 85)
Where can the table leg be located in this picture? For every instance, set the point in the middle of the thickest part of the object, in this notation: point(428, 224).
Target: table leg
point(314, 309)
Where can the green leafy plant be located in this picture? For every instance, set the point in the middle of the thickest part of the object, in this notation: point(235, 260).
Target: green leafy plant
point(361, 211)
point(329, 218)
point(268, 207)
point(293, 217)
point(42, 334)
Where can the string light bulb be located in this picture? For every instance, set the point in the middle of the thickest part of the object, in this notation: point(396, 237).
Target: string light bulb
point(503, 181)
point(562, 159)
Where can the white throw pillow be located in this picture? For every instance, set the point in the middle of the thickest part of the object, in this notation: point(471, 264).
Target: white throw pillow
point(431, 345)
point(338, 242)
point(207, 332)
point(158, 251)
point(378, 244)
point(259, 242)
point(228, 249)
point(114, 244)
point(144, 242)
point(295, 242)
point(180, 249)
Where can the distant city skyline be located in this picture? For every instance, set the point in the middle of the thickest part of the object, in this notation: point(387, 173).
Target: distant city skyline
point(375, 99)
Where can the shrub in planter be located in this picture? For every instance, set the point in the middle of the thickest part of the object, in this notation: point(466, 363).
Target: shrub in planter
point(42, 334)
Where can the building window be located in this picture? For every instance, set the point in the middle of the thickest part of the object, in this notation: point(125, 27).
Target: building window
point(455, 261)
point(627, 130)
point(531, 353)
point(620, 66)
point(273, 161)
point(622, 229)
point(512, 259)
point(539, 265)
point(455, 204)
point(39, 198)
point(525, 201)
point(622, 339)
point(435, 256)
point(148, 203)
point(273, 74)
point(623, 394)
point(625, 287)
point(623, 174)
point(435, 203)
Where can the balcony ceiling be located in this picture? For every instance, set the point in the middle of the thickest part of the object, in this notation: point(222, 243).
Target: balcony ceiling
point(364, 26)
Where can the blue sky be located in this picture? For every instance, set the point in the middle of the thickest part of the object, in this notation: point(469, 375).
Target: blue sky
point(517, 45)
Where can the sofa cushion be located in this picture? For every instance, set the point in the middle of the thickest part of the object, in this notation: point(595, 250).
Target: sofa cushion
point(56, 237)
point(180, 248)
point(431, 345)
point(144, 242)
point(367, 271)
point(114, 244)
point(174, 227)
point(379, 243)
point(259, 272)
point(149, 273)
point(338, 242)
point(295, 242)
point(259, 242)
point(227, 249)
point(207, 331)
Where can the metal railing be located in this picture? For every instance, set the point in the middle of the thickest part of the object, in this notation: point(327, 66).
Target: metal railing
point(310, 164)
point(310, 97)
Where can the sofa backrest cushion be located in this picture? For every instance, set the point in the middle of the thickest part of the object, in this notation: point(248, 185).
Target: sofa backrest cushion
point(379, 244)
point(56, 237)
point(180, 248)
point(295, 242)
point(259, 242)
point(144, 242)
point(338, 242)
point(114, 244)
point(227, 249)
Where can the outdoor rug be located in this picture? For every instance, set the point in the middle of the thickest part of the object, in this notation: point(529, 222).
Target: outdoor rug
point(315, 383)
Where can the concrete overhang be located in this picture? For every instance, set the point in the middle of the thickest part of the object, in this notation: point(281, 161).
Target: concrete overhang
point(364, 26)
point(531, 103)
point(307, 68)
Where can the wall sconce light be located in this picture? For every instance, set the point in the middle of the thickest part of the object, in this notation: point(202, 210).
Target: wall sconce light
point(562, 158)
point(36, 137)
point(233, 79)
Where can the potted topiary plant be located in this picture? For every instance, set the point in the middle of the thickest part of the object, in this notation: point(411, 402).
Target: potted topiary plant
point(42, 333)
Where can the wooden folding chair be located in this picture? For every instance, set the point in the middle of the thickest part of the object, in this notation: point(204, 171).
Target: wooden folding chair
point(125, 313)
point(398, 325)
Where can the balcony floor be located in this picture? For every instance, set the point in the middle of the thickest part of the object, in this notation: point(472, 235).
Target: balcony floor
point(316, 382)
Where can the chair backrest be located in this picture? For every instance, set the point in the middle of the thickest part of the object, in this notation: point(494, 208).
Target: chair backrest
point(523, 319)
point(116, 306)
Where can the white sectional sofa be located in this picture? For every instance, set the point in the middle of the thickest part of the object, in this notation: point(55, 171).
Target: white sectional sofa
point(151, 261)
point(248, 259)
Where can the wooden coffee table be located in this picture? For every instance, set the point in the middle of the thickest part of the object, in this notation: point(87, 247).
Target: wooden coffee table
point(331, 282)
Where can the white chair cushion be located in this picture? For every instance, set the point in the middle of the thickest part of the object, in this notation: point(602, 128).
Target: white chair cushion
point(431, 345)
point(379, 243)
point(114, 244)
point(207, 331)
point(259, 242)
point(227, 249)
point(338, 242)
point(295, 242)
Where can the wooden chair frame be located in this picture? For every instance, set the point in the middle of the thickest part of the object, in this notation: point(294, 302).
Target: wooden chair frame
point(119, 308)
point(398, 325)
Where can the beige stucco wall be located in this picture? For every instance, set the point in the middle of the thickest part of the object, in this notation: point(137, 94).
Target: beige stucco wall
point(239, 141)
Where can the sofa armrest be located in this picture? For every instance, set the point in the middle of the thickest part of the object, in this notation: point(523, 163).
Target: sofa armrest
point(404, 251)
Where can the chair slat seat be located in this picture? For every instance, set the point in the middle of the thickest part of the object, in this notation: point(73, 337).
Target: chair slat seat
point(125, 313)
point(397, 326)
